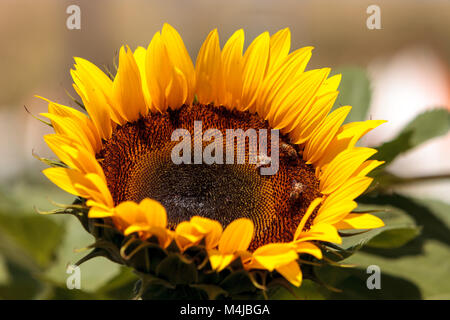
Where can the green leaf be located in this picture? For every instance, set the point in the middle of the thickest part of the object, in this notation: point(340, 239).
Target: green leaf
point(211, 290)
point(62, 293)
point(394, 238)
point(120, 286)
point(158, 291)
point(351, 283)
point(237, 283)
point(388, 151)
point(177, 271)
point(4, 274)
point(354, 91)
point(425, 126)
point(396, 222)
point(428, 125)
point(37, 235)
point(423, 261)
point(94, 273)
point(431, 215)
point(22, 282)
point(309, 290)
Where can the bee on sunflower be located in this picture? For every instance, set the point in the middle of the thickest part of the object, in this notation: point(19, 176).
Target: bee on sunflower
point(200, 229)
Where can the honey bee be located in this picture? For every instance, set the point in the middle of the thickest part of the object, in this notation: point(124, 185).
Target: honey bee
point(297, 190)
point(289, 150)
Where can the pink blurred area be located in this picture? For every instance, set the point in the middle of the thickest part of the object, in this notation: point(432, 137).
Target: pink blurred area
point(411, 81)
point(407, 60)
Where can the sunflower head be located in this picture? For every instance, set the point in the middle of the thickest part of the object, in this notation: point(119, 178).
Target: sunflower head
point(231, 174)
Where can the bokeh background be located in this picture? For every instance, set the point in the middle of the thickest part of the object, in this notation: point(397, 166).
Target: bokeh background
point(394, 73)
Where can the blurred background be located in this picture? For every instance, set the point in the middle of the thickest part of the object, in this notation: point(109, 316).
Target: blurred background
point(393, 73)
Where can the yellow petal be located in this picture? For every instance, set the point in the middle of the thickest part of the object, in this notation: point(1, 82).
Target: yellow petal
point(98, 210)
point(139, 56)
point(168, 82)
point(155, 213)
point(256, 58)
point(158, 72)
point(67, 179)
point(186, 235)
point(97, 76)
point(180, 58)
point(56, 142)
point(320, 232)
point(129, 213)
point(127, 87)
point(280, 80)
point(330, 85)
point(99, 184)
point(295, 105)
point(333, 213)
point(292, 273)
point(210, 228)
point(280, 44)
point(95, 89)
point(359, 221)
point(237, 236)
point(208, 70)
point(322, 136)
point(250, 263)
point(317, 115)
point(309, 248)
point(137, 228)
point(73, 154)
point(367, 167)
point(346, 138)
point(275, 255)
point(220, 261)
point(74, 124)
point(340, 202)
point(232, 69)
point(72, 129)
point(177, 90)
point(312, 206)
point(342, 167)
point(352, 188)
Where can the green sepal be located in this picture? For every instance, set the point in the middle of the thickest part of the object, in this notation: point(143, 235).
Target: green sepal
point(175, 269)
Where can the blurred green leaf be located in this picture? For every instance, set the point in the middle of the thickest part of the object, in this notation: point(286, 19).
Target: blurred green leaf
point(22, 282)
point(428, 125)
point(354, 91)
point(120, 286)
point(28, 244)
point(425, 126)
point(212, 291)
point(393, 238)
point(309, 290)
point(21, 194)
point(177, 271)
point(387, 181)
point(423, 261)
point(59, 292)
point(351, 283)
point(4, 274)
point(37, 235)
point(431, 215)
point(158, 291)
point(396, 221)
point(237, 283)
point(94, 273)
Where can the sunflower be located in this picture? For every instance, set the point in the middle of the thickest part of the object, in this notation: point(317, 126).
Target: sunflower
point(116, 156)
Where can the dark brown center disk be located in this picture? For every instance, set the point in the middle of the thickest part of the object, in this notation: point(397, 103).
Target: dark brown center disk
point(138, 164)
